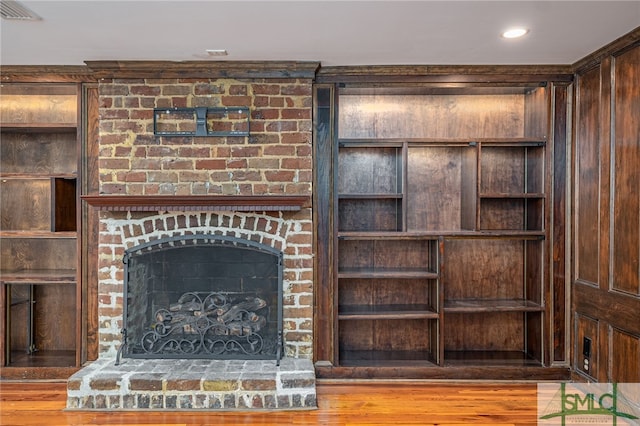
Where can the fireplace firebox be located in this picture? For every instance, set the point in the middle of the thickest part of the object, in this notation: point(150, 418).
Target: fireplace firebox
point(202, 296)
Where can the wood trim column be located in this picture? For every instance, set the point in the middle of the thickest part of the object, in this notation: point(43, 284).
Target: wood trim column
point(559, 260)
point(90, 231)
point(323, 135)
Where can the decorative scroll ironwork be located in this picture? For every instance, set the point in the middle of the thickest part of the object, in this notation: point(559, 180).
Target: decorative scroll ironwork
point(213, 323)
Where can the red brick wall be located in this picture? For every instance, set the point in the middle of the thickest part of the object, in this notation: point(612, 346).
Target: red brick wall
point(274, 159)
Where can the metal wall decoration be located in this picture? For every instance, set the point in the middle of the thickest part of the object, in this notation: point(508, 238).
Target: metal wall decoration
point(201, 121)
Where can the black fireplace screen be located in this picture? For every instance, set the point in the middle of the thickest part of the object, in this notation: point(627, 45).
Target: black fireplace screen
point(202, 296)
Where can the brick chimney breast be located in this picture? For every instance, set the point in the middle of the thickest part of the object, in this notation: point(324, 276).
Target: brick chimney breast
point(275, 159)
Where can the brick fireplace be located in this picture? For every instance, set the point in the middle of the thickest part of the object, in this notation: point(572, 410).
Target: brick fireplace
point(255, 187)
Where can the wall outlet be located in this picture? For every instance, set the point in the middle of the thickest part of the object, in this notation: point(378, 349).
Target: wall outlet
point(586, 347)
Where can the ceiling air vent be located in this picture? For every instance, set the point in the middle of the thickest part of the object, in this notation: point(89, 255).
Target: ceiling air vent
point(14, 10)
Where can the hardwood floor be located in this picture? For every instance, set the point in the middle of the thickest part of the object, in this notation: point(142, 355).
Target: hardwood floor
point(43, 403)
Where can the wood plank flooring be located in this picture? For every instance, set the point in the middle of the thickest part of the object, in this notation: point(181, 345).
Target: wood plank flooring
point(370, 404)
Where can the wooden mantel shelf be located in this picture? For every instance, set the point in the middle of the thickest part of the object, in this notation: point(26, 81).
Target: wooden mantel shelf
point(150, 203)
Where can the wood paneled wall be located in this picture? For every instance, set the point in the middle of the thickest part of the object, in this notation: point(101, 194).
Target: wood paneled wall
point(606, 218)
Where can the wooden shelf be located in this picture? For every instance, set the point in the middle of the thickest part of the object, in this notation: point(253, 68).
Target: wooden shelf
point(381, 358)
point(443, 197)
point(489, 358)
point(501, 234)
point(406, 273)
point(369, 196)
point(386, 312)
point(38, 127)
point(197, 202)
point(43, 358)
point(26, 176)
point(434, 235)
point(397, 142)
point(371, 235)
point(493, 305)
point(371, 143)
point(38, 234)
point(514, 142)
point(499, 195)
point(39, 276)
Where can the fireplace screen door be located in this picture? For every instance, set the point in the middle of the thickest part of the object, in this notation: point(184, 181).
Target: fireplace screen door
point(202, 296)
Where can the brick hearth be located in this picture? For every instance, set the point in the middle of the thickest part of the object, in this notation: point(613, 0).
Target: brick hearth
point(170, 384)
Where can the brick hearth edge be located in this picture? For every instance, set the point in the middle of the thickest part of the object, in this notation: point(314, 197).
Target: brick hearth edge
point(170, 384)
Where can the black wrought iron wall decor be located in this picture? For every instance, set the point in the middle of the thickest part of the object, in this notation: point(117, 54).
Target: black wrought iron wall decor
point(201, 121)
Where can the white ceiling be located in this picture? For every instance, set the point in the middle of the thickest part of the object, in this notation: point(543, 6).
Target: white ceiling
point(330, 31)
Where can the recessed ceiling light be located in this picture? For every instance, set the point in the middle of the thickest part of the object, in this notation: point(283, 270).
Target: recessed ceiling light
point(515, 32)
point(217, 52)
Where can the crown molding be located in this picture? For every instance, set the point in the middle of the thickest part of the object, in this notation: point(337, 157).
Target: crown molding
point(203, 69)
